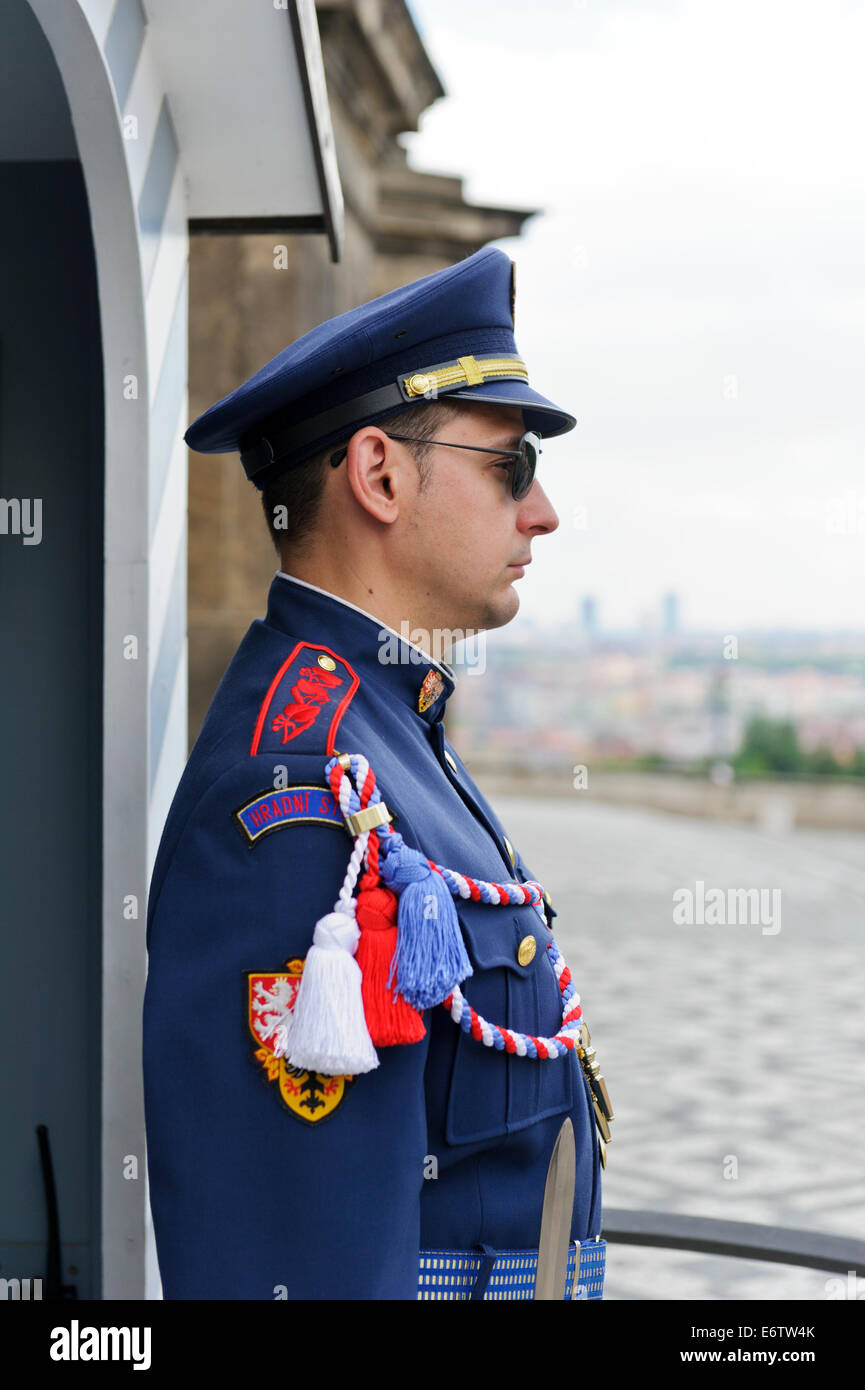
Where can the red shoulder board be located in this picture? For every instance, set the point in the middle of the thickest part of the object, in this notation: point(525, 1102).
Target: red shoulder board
point(307, 698)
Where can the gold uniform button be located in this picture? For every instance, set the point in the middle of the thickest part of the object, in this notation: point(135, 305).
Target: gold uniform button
point(510, 849)
point(450, 762)
point(327, 663)
point(526, 950)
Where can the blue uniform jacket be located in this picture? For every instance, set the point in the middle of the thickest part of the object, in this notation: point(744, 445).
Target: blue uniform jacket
point(260, 1188)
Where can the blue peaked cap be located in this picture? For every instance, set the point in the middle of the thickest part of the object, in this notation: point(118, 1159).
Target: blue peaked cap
point(448, 334)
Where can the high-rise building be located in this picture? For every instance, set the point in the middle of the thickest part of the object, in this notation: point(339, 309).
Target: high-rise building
point(670, 613)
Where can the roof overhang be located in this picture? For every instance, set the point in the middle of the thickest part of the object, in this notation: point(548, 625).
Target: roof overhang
point(247, 93)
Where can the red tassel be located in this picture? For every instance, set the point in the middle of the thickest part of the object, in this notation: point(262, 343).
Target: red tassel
point(389, 1018)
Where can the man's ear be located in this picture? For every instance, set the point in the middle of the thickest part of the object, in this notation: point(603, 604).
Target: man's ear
point(376, 473)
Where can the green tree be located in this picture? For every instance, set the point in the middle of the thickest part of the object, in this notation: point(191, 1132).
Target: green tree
point(769, 746)
point(856, 768)
point(822, 761)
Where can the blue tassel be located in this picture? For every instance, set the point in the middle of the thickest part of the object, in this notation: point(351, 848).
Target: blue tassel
point(430, 956)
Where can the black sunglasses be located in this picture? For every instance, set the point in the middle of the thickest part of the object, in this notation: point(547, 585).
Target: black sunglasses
point(525, 457)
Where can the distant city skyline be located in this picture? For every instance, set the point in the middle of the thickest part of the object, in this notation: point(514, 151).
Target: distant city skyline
point(694, 291)
point(648, 620)
point(681, 697)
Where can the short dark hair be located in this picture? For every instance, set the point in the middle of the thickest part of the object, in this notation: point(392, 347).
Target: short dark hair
point(293, 498)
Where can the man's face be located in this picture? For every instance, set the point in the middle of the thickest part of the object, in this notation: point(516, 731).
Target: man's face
point(467, 535)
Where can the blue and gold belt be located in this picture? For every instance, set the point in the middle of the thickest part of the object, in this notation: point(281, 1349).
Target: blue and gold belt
point(495, 1274)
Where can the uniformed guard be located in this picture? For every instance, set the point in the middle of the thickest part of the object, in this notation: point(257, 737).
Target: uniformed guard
point(360, 1038)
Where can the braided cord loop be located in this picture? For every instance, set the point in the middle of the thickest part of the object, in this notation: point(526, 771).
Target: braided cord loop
point(475, 890)
point(524, 1044)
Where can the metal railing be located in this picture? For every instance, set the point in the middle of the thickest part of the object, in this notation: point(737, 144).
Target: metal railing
point(742, 1239)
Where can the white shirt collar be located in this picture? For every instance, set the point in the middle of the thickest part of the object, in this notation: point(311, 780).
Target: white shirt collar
point(441, 665)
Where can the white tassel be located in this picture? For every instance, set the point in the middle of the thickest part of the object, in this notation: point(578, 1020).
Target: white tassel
point(327, 1030)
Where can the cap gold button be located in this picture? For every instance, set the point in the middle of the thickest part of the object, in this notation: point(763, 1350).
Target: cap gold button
point(418, 384)
point(510, 849)
point(327, 663)
point(526, 950)
point(450, 762)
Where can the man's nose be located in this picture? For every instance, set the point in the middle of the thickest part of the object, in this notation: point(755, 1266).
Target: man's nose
point(537, 512)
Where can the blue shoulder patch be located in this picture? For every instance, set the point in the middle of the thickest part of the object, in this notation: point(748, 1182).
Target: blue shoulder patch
point(299, 804)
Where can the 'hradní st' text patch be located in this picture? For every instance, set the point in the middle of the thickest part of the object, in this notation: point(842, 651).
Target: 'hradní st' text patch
point(295, 805)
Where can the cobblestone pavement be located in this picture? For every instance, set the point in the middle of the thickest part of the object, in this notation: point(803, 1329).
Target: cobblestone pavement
point(734, 1055)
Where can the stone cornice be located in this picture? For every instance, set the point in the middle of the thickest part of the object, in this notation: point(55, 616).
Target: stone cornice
point(380, 81)
point(428, 213)
point(380, 51)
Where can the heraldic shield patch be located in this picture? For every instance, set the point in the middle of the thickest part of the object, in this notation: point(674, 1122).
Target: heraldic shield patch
point(309, 1096)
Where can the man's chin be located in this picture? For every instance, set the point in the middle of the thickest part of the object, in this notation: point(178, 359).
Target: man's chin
point(497, 610)
point(502, 609)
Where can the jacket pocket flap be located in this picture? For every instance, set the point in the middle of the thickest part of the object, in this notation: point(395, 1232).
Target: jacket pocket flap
point(493, 935)
point(491, 1092)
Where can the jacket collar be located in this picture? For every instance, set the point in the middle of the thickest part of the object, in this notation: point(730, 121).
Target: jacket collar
point(378, 653)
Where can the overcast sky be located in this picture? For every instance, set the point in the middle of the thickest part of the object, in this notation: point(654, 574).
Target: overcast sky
point(694, 293)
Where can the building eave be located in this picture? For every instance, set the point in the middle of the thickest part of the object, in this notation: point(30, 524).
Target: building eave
point(246, 89)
